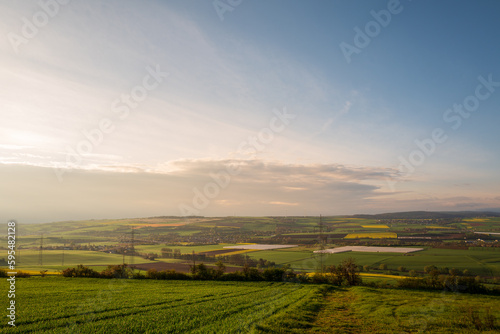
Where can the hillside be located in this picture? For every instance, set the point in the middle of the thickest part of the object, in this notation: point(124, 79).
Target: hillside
point(57, 304)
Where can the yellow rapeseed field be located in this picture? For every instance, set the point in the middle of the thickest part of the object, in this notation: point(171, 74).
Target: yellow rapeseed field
point(375, 226)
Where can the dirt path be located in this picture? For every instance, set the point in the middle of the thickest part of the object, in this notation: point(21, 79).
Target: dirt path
point(338, 316)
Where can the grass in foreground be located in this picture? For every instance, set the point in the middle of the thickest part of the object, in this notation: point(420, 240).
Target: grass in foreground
point(369, 310)
point(85, 305)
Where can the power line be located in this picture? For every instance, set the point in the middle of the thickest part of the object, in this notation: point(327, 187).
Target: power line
point(321, 245)
point(132, 249)
point(40, 252)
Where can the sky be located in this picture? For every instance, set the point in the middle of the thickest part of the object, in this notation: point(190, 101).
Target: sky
point(235, 107)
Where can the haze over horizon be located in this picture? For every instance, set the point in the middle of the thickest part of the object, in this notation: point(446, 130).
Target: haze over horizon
point(247, 108)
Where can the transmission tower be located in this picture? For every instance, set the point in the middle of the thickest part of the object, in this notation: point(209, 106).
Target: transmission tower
point(132, 249)
point(321, 242)
point(40, 252)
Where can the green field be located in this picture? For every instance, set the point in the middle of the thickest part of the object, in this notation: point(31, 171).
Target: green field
point(478, 261)
point(28, 259)
point(85, 305)
point(210, 233)
point(64, 305)
point(367, 310)
point(183, 249)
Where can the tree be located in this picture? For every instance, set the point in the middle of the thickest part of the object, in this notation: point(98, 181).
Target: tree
point(366, 268)
point(273, 274)
point(221, 268)
point(335, 276)
point(118, 271)
point(401, 268)
point(429, 269)
point(166, 252)
point(177, 253)
point(350, 271)
point(201, 272)
point(382, 266)
point(345, 273)
point(251, 274)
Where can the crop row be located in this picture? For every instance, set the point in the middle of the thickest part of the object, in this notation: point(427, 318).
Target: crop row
point(95, 305)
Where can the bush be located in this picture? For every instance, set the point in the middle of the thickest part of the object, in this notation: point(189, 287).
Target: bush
point(80, 271)
point(22, 274)
point(236, 276)
point(152, 274)
point(175, 275)
point(3, 273)
point(317, 278)
point(274, 274)
point(167, 274)
point(138, 275)
point(118, 271)
point(447, 282)
point(345, 273)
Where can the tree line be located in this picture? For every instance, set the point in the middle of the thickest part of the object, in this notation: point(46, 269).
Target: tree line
point(346, 273)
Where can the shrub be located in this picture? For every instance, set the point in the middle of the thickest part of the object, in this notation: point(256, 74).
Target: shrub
point(118, 271)
point(175, 275)
point(80, 271)
point(22, 274)
point(274, 274)
point(236, 276)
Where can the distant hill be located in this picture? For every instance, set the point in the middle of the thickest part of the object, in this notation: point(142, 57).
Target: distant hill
point(430, 214)
point(496, 210)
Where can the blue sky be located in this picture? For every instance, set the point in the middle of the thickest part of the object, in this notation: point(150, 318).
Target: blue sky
point(213, 85)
